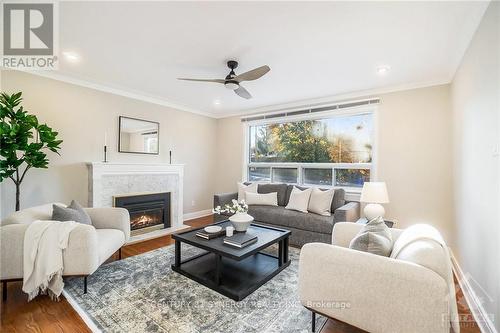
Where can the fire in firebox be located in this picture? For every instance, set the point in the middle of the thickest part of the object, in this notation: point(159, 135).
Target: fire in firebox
point(139, 220)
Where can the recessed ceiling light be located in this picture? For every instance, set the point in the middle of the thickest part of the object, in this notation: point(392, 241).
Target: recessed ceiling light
point(71, 56)
point(217, 102)
point(384, 69)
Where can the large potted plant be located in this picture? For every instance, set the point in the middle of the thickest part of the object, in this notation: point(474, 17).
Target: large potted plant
point(23, 141)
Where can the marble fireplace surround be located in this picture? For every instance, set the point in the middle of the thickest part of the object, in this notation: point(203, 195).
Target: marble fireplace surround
point(111, 179)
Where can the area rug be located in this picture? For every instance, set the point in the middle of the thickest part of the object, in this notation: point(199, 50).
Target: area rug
point(142, 294)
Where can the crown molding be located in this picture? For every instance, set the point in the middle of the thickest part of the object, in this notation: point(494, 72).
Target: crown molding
point(254, 111)
point(118, 91)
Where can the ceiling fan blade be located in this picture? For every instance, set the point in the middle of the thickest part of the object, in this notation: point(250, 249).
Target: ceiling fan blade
point(254, 74)
point(242, 92)
point(202, 80)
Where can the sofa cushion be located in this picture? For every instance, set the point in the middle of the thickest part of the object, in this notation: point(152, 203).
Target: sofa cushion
point(283, 217)
point(299, 200)
point(321, 201)
point(338, 196)
point(243, 188)
point(267, 199)
point(278, 188)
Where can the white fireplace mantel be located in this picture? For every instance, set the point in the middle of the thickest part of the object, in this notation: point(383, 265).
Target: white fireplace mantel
point(107, 180)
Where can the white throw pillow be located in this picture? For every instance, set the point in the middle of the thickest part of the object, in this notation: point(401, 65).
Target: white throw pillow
point(242, 189)
point(299, 200)
point(267, 199)
point(321, 201)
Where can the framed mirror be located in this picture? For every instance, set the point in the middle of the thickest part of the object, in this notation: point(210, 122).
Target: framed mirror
point(138, 136)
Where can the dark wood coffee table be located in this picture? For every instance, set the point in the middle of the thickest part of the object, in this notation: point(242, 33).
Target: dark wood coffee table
point(233, 272)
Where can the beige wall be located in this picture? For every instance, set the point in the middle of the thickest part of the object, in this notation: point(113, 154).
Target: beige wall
point(414, 156)
point(230, 139)
point(475, 94)
point(81, 116)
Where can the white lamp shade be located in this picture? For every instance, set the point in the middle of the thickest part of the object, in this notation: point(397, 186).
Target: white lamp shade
point(374, 192)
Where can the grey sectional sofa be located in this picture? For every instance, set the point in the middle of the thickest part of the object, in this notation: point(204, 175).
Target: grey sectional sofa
point(305, 227)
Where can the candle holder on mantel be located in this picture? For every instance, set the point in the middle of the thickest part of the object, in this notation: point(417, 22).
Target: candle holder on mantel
point(105, 154)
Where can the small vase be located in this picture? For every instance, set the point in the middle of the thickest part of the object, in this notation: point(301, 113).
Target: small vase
point(241, 221)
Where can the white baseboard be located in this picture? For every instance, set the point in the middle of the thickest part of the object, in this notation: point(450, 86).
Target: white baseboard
point(195, 215)
point(478, 311)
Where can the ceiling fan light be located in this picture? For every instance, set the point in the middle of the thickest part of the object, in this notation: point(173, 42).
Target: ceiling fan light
point(231, 85)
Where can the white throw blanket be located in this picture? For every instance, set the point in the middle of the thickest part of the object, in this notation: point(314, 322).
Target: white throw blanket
point(426, 232)
point(44, 242)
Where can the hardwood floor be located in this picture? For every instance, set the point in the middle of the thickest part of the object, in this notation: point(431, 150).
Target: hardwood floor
point(44, 315)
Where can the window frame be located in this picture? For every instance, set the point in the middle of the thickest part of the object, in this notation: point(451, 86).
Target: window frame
point(353, 193)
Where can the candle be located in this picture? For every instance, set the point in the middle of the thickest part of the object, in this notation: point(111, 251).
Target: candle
point(105, 138)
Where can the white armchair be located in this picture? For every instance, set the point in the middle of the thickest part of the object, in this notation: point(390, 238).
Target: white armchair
point(371, 292)
point(88, 246)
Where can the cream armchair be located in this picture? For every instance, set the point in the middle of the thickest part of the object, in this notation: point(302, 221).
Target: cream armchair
point(375, 293)
point(88, 246)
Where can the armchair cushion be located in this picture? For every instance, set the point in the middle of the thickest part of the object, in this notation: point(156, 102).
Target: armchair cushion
point(74, 212)
point(374, 237)
point(344, 232)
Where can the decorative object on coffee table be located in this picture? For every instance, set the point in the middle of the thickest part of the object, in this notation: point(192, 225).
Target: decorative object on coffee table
point(240, 218)
point(374, 194)
point(241, 221)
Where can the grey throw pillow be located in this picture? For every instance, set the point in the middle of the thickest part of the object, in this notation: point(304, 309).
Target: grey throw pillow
point(375, 237)
point(74, 212)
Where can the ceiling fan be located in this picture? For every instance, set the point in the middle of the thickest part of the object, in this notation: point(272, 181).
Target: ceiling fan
point(232, 81)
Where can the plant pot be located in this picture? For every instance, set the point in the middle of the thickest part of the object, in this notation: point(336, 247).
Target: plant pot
point(241, 221)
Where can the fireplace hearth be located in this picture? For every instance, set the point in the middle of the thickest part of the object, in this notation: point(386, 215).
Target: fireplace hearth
point(148, 212)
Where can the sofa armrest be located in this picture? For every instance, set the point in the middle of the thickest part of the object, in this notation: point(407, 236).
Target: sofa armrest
point(374, 293)
point(11, 251)
point(110, 218)
point(224, 198)
point(347, 213)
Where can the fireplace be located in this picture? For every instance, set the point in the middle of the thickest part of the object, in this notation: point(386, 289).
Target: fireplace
point(148, 212)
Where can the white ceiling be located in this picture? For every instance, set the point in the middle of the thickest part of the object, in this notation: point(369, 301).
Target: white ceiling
point(314, 49)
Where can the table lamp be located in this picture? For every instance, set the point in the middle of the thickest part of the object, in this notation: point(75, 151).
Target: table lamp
point(374, 194)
